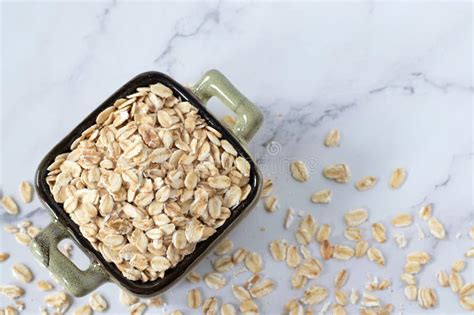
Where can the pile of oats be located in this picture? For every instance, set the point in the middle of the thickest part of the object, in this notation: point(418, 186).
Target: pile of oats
point(149, 181)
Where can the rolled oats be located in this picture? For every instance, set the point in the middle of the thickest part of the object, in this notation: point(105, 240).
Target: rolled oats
point(412, 267)
point(401, 240)
point(455, 282)
point(262, 288)
point(138, 308)
point(397, 178)
point(60, 301)
point(9, 204)
point(467, 289)
point(4, 256)
point(420, 257)
point(425, 212)
point(338, 309)
point(366, 183)
point(194, 298)
point(314, 295)
point(22, 273)
point(340, 297)
point(427, 297)
point(343, 252)
point(271, 203)
point(402, 220)
point(333, 138)
point(98, 302)
point(299, 171)
point(458, 265)
point(127, 299)
point(293, 258)
point(241, 293)
point(26, 192)
point(193, 277)
point(341, 278)
point(378, 232)
point(356, 217)
point(323, 233)
point(215, 280)
point(467, 302)
point(11, 291)
point(267, 187)
point(354, 297)
point(278, 249)
point(376, 256)
point(322, 196)
point(340, 173)
point(289, 217)
point(44, 285)
point(83, 310)
point(253, 262)
point(361, 248)
point(411, 292)
point(248, 307)
point(326, 250)
point(224, 247)
point(23, 238)
point(223, 264)
point(436, 228)
point(408, 278)
point(228, 309)
point(369, 300)
point(239, 255)
point(353, 233)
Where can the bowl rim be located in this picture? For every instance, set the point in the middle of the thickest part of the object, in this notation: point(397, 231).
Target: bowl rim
point(173, 275)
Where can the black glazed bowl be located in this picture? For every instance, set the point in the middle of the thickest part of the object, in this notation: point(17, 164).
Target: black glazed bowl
point(80, 282)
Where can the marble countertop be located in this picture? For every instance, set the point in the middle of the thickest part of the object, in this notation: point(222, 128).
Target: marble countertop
point(394, 78)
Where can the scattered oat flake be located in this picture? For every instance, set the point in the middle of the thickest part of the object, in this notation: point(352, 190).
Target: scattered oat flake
point(83, 310)
point(127, 299)
point(248, 306)
point(340, 297)
point(289, 217)
point(323, 233)
point(271, 204)
point(361, 248)
point(228, 309)
point(369, 300)
point(455, 281)
point(443, 278)
point(215, 280)
point(402, 220)
point(436, 228)
point(341, 278)
point(427, 297)
point(366, 183)
point(333, 138)
point(293, 258)
point(253, 262)
point(11, 291)
point(157, 301)
point(354, 297)
point(322, 196)
point(4, 256)
point(26, 192)
point(378, 232)
point(262, 288)
point(98, 302)
point(22, 273)
point(343, 252)
point(401, 240)
point(411, 292)
point(267, 187)
point(458, 265)
point(340, 173)
point(376, 256)
point(193, 277)
point(224, 247)
point(471, 232)
point(44, 285)
point(356, 217)
point(397, 178)
point(278, 249)
point(425, 212)
point(299, 171)
point(194, 298)
point(314, 295)
point(9, 204)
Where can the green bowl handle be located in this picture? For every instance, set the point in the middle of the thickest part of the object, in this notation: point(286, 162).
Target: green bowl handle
point(249, 116)
point(78, 282)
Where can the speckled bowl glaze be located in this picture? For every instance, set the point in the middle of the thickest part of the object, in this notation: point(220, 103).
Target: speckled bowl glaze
point(81, 282)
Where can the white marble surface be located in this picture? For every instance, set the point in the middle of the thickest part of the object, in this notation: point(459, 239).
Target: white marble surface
point(395, 78)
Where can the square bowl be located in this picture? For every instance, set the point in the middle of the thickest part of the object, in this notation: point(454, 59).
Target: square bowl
point(80, 282)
